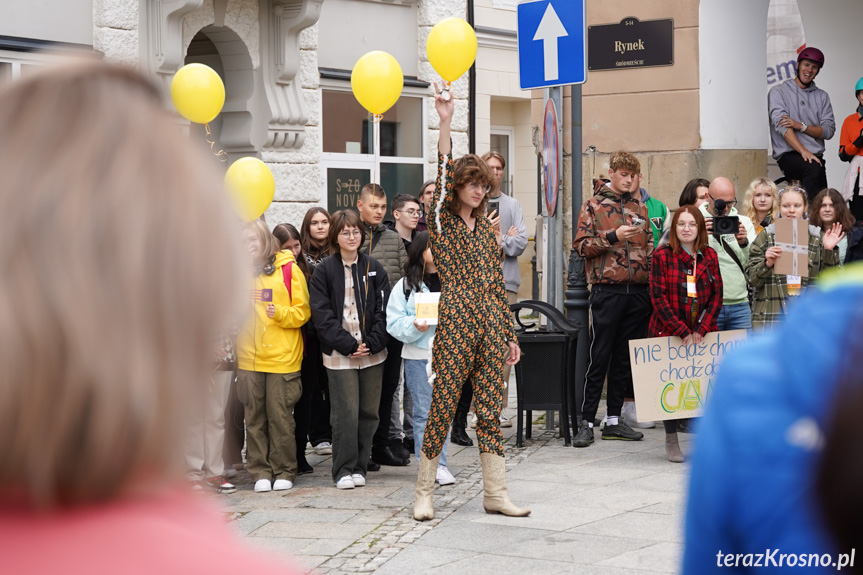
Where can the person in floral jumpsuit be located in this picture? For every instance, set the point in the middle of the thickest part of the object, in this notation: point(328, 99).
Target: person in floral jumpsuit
point(474, 324)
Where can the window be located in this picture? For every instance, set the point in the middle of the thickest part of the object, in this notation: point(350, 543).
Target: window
point(501, 142)
point(348, 145)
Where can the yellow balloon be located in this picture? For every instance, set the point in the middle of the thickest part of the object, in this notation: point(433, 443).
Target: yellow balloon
point(198, 93)
point(251, 186)
point(377, 81)
point(451, 48)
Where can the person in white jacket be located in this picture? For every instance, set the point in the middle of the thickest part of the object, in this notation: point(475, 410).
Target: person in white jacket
point(417, 336)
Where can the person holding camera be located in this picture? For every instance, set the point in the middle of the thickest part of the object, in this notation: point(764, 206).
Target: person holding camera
point(773, 291)
point(731, 235)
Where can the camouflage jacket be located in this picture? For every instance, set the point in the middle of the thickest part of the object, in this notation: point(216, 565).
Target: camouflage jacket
point(616, 261)
point(771, 290)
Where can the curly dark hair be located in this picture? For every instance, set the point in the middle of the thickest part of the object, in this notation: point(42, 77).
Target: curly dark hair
point(467, 169)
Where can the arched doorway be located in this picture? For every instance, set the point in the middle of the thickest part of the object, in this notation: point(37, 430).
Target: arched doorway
point(238, 130)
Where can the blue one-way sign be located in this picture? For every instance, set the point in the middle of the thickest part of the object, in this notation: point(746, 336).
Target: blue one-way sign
point(551, 43)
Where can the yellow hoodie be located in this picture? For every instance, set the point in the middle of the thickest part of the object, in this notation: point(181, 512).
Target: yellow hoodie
point(275, 345)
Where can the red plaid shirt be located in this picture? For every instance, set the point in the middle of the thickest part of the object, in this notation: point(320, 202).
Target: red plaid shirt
point(671, 305)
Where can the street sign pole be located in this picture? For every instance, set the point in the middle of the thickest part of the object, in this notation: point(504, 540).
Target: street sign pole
point(553, 274)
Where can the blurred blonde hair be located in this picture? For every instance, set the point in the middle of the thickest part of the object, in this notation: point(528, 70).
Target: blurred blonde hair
point(749, 197)
point(109, 299)
point(269, 243)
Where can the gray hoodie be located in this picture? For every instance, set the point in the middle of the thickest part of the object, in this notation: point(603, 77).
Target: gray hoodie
point(513, 246)
point(810, 106)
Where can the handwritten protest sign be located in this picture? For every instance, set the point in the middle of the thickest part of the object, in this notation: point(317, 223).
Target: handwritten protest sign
point(674, 381)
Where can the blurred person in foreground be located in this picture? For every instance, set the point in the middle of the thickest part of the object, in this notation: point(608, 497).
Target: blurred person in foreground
point(108, 334)
point(776, 461)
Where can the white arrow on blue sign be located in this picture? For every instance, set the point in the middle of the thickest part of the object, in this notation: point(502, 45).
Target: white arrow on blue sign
point(551, 43)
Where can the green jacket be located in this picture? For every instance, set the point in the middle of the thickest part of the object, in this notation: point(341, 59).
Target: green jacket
point(771, 291)
point(734, 288)
point(657, 213)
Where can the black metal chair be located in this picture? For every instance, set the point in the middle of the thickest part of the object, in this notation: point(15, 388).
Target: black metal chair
point(545, 373)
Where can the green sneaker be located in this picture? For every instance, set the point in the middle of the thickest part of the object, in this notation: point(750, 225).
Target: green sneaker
point(621, 431)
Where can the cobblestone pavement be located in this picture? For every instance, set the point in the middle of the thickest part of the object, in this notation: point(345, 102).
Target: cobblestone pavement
point(613, 508)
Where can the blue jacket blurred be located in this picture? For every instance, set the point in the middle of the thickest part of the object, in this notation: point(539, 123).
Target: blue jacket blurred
point(756, 456)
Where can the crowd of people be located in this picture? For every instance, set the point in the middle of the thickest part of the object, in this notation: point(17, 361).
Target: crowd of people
point(332, 348)
point(328, 331)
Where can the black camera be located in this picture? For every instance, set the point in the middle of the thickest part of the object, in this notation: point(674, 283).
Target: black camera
point(723, 225)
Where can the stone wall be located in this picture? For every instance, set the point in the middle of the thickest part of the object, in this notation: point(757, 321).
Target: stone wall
point(115, 31)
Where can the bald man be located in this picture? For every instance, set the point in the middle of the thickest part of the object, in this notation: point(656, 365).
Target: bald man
point(733, 253)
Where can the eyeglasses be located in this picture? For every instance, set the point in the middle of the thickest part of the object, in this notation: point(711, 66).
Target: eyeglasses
point(687, 226)
point(350, 234)
point(411, 213)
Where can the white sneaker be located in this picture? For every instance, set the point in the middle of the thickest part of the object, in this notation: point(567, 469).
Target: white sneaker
point(630, 417)
point(444, 477)
point(263, 485)
point(359, 480)
point(282, 485)
point(504, 421)
point(346, 482)
point(472, 421)
point(324, 448)
point(603, 422)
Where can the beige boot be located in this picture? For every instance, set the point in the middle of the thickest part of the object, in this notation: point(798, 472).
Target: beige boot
point(672, 448)
point(496, 498)
point(423, 504)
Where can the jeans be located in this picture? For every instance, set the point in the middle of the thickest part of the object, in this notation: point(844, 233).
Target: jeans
point(355, 396)
point(417, 382)
point(734, 316)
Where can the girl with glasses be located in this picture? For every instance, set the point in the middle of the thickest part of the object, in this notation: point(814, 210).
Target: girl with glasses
point(349, 294)
point(686, 292)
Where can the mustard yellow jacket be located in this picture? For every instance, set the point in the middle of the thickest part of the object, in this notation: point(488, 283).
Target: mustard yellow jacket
point(275, 345)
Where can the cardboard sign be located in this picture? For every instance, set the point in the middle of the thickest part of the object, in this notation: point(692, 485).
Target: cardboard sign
point(426, 304)
point(674, 381)
point(793, 237)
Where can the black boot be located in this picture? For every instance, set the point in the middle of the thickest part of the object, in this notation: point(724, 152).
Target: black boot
point(459, 435)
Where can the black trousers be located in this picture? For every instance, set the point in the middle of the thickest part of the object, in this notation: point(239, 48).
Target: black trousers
point(463, 403)
point(615, 318)
point(811, 175)
point(315, 380)
point(389, 386)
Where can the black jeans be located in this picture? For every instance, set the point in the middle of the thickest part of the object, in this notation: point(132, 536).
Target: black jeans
point(615, 318)
point(811, 175)
point(318, 403)
point(389, 385)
